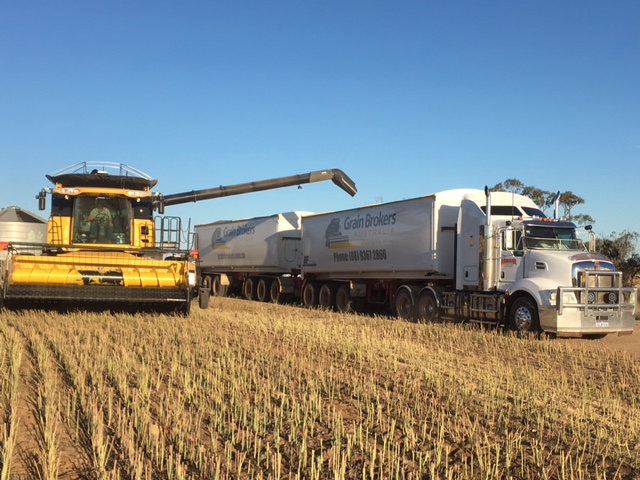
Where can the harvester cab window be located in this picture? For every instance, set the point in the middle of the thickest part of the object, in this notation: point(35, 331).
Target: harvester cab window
point(102, 219)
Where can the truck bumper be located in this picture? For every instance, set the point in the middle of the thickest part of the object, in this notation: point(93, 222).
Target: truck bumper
point(576, 323)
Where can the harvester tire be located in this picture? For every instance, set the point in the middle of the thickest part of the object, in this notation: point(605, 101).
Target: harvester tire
point(207, 283)
point(204, 296)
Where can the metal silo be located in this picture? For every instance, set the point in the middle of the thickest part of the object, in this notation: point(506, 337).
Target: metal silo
point(18, 225)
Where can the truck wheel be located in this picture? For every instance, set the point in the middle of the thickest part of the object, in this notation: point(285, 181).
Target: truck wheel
point(262, 289)
point(427, 308)
point(326, 296)
point(523, 316)
point(310, 295)
point(217, 289)
point(343, 299)
point(248, 289)
point(404, 305)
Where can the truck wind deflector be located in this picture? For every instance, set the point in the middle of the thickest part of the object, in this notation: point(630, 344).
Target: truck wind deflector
point(338, 177)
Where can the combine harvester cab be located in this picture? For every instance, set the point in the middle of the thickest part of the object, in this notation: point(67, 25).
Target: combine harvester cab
point(105, 249)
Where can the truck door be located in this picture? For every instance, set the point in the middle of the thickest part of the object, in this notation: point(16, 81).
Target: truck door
point(511, 252)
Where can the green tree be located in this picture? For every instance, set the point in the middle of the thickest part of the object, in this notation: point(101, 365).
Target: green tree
point(545, 200)
point(621, 249)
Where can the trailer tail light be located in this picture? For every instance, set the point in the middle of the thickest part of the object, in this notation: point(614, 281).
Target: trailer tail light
point(4, 245)
point(194, 253)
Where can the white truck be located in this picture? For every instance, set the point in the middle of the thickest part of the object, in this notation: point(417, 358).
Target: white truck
point(258, 258)
point(464, 255)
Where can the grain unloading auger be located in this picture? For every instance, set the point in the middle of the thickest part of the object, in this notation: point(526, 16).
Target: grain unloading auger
point(104, 247)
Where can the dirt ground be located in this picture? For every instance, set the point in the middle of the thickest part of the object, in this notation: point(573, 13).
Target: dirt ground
point(623, 343)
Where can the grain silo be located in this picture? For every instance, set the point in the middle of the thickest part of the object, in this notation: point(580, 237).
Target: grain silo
point(18, 225)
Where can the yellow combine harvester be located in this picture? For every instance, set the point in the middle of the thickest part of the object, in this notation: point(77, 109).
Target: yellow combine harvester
point(105, 249)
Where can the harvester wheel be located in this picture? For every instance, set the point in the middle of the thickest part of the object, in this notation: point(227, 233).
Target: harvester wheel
point(343, 299)
point(203, 298)
point(207, 283)
point(263, 289)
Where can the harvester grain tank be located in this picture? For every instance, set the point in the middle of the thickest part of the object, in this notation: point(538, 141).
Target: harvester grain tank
point(105, 248)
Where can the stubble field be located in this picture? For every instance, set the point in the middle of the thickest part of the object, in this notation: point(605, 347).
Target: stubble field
point(259, 391)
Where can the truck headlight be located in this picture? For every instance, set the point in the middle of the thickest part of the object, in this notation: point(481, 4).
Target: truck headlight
point(567, 297)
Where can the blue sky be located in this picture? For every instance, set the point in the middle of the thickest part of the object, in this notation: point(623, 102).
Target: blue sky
point(408, 98)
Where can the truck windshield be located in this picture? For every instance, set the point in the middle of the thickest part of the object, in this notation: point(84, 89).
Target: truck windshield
point(552, 238)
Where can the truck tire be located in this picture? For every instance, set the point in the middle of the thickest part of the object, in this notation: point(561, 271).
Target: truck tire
point(217, 289)
point(248, 289)
point(343, 299)
point(262, 289)
point(310, 295)
point(427, 308)
point(523, 316)
point(403, 305)
point(327, 296)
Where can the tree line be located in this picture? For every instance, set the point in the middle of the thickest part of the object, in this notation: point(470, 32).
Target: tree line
point(619, 247)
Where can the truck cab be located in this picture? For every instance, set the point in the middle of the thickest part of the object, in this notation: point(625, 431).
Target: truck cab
point(545, 275)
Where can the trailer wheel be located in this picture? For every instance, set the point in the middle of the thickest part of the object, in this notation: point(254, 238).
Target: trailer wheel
point(427, 307)
point(262, 289)
point(404, 305)
point(217, 289)
point(343, 299)
point(248, 289)
point(523, 316)
point(326, 296)
point(310, 295)
point(274, 292)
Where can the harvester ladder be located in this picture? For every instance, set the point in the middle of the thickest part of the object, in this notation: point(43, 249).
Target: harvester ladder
point(168, 232)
